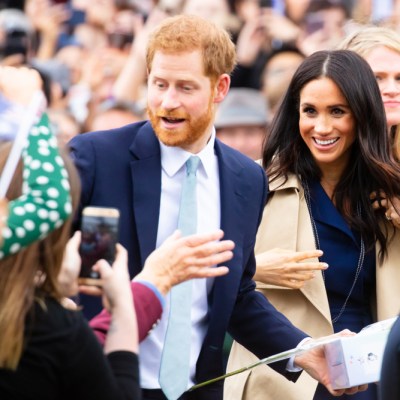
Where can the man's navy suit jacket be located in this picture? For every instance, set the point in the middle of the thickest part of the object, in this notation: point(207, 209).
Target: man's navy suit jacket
point(122, 168)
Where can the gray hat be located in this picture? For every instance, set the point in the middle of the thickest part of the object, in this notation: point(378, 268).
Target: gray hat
point(242, 106)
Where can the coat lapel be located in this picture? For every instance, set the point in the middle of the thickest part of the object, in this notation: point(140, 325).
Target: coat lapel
point(324, 211)
point(294, 233)
point(146, 183)
point(233, 192)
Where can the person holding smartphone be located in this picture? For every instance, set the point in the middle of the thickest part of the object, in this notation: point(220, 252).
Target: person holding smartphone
point(47, 351)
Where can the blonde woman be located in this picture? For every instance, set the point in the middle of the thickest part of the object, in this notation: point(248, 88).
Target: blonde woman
point(380, 47)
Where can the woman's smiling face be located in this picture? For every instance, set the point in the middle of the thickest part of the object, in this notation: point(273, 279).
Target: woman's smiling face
point(326, 124)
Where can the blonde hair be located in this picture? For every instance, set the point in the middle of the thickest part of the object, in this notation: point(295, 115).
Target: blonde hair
point(186, 33)
point(363, 41)
point(31, 274)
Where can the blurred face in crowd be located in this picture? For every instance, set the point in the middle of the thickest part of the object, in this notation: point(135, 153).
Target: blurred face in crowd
point(113, 118)
point(385, 63)
point(211, 10)
point(327, 124)
point(180, 100)
point(277, 75)
point(248, 139)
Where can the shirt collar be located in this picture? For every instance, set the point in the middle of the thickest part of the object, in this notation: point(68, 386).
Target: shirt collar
point(173, 158)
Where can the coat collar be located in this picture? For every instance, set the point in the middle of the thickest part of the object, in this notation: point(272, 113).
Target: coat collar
point(293, 228)
point(325, 212)
point(320, 201)
point(146, 184)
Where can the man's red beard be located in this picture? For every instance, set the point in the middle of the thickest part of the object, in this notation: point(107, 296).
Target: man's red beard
point(183, 136)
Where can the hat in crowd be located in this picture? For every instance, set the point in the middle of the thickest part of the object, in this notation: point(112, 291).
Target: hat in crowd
point(13, 19)
point(242, 106)
point(55, 70)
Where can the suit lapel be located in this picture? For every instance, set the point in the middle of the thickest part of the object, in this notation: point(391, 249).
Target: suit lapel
point(146, 182)
point(233, 192)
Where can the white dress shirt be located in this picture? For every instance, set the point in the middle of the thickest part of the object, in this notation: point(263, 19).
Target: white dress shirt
point(173, 161)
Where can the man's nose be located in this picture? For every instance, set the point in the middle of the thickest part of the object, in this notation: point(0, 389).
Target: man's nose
point(170, 99)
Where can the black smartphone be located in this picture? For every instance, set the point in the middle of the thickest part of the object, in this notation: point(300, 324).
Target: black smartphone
point(100, 226)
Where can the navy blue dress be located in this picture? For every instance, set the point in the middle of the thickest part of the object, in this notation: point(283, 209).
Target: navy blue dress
point(342, 247)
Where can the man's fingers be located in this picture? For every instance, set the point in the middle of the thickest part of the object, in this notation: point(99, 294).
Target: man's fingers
point(356, 389)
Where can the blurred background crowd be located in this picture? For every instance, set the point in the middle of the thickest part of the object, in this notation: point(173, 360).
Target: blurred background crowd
point(91, 54)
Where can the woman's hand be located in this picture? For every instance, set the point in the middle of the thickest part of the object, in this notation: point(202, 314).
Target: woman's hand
point(70, 267)
point(288, 268)
point(179, 259)
point(391, 207)
point(113, 282)
point(118, 300)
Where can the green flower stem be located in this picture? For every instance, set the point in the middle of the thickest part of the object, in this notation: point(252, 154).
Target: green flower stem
point(277, 357)
point(271, 359)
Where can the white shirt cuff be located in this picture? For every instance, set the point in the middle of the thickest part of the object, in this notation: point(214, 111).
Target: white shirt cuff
point(290, 367)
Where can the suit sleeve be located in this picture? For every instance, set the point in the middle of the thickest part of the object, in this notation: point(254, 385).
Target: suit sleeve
point(83, 154)
point(148, 311)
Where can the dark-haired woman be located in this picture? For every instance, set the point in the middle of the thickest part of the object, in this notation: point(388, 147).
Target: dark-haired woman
point(327, 151)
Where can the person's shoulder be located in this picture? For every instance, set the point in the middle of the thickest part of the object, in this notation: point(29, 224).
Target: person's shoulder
point(109, 137)
point(236, 158)
point(51, 315)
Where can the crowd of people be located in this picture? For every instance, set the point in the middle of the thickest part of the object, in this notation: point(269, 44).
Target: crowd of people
point(91, 53)
point(273, 127)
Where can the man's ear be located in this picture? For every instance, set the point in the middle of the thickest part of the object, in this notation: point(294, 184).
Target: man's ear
point(221, 87)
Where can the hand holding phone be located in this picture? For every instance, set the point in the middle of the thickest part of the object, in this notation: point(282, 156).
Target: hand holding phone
point(99, 238)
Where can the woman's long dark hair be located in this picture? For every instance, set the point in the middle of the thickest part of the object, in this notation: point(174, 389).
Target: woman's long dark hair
point(371, 168)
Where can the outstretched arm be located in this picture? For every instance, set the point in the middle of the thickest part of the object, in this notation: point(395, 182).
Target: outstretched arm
point(178, 259)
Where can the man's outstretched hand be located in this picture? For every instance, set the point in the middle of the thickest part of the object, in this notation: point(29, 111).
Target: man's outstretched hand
point(314, 363)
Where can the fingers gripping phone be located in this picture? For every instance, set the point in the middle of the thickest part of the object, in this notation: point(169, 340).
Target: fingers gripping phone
point(99, 237)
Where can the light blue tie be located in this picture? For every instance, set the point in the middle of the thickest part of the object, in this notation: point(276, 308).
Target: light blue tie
point(175, 359)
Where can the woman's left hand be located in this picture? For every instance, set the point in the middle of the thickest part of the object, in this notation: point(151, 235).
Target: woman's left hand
point(391, 206)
